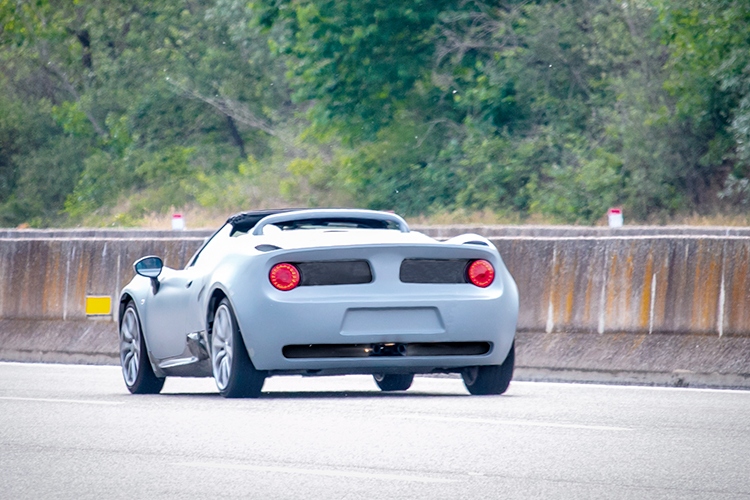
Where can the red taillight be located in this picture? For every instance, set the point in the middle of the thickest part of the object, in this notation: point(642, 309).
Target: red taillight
point(284, 276)
point(481, 273)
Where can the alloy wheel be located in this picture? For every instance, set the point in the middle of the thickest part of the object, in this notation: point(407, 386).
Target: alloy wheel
point(130, 346)
point(221, 347)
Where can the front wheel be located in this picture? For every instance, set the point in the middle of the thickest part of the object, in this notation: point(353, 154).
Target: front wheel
point(492, 379)
point(235, 375)
point(393, 382)
point(136, 368)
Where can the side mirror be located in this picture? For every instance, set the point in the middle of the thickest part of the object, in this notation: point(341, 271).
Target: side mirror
point(150, 267)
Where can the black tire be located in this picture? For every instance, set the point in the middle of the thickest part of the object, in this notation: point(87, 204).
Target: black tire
point(392, 382)
point(235, 375)
point(136, 368)
point(492, 379)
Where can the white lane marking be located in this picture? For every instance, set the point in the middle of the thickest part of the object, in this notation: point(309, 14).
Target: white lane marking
point(60, 366)
point(522, 423)
point(67, 401)
point(583, 385)
point(317, 472)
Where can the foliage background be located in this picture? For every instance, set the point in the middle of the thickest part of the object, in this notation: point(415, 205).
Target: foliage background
point(110, 111)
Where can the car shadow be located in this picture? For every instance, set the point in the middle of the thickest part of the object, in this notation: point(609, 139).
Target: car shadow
point(330, 395)
point(353, 394)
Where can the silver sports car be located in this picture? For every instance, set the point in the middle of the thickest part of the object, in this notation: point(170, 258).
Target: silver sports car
point(321, 292)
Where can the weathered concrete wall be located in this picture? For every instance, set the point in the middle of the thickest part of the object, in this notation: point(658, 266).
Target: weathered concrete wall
point(54, 341)
point(49, 278)
point(664, 309)
point(666, 284)
point(44, 283)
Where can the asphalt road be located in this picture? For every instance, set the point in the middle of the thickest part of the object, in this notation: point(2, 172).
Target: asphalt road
point(75, 432)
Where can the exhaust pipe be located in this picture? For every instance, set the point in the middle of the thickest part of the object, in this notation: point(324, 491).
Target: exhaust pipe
point(388, 349)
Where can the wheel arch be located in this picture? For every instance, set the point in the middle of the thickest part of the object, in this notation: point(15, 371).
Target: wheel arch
point(219, 293)
point(125, 299)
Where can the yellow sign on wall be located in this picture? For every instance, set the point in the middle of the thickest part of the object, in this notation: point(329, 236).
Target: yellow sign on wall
point(98, 305)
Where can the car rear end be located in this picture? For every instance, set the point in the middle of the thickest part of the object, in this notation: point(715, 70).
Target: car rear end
point(415, 307)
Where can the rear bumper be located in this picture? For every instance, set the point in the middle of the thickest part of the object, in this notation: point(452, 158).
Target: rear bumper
point(347, 315)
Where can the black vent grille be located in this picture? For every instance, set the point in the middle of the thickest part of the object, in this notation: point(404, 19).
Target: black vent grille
point(415, 349)
point(433, 270)
point(334, 272)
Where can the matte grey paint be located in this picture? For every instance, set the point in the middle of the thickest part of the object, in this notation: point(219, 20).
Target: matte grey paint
point(385, 310)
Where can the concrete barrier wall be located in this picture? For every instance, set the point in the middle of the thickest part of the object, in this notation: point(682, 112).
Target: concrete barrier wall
point(665, 309)
point(44, 283)
point(667, 284)
point(49, 279)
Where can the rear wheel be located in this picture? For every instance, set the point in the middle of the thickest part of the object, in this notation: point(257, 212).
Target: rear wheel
point(136, 368)
point(235, 375)
point(393, 382)
point(492, 379)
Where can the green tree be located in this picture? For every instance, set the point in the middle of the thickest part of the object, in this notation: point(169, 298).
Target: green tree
point(558, 108)
point(709, 75)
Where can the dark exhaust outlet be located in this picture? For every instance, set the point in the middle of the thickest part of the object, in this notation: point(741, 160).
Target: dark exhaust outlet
point(388, 349)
